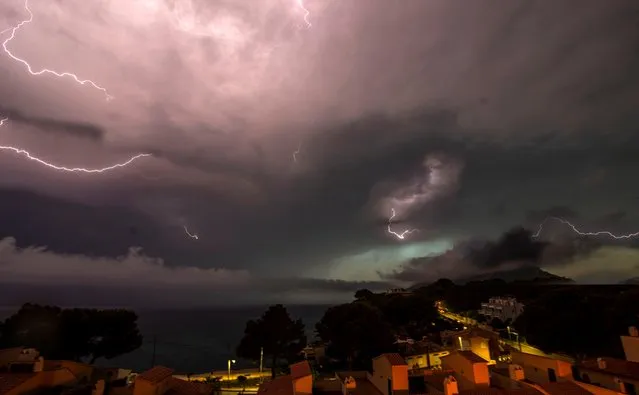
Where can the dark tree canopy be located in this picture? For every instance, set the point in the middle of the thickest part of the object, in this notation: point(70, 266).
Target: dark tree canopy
point(275, 332)
point(364, 294)
point(355, 333)
point(74, 334)
point(567, 320)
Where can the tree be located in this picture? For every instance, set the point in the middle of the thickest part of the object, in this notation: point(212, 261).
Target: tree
point(74, 334)
point(355, 333)
point(275, 332)
point(242, 380)
point(413, 315)
point(363, 294)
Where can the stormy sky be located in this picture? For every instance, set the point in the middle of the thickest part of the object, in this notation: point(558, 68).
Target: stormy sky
point(286, 144)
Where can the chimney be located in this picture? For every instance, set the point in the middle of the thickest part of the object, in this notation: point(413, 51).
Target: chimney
point(633, 331)
point(601, 363)
point(98, 389)
point(516, 372)
point(38, 365)
point(450, 386)
point(350, 383)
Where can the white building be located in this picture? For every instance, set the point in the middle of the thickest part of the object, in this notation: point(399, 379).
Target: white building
point(503, 308)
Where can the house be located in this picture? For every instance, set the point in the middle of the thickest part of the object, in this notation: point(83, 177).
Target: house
point(611, 373)
point(159, 380)
point(470, 370)
point(389, 376)
point(542, 369)
point(631, 344)
point(512, 377)
point(482, 342)
point(18, 359)
point(426, 360)
point(16, 380)
point(502, 308)
point(300, 381)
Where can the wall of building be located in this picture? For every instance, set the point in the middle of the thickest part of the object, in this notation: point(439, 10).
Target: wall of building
point(400, 378)
point(536, 367)
point(303, 385)
point(382, 371)
point(463, 368)
point(604, 380)
point(631, 347)
point(480, 371)
point(479, 346)
point(420, 360)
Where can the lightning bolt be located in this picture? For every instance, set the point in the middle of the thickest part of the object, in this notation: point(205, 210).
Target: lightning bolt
point(296, 152)
point(28, 155)
point(401, 235)
point(300, 4)
point(15, 29)
point(191, 235)
point(579, 232)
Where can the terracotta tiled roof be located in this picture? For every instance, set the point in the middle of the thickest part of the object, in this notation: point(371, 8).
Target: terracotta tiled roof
point(278, 386)
point(300, 369)
point(565, 388)
point(469, 355)
point(394, 358)
point(499, 391)
point(9, 381)
point(183, 387)
point(617, 367)
point(156, 374)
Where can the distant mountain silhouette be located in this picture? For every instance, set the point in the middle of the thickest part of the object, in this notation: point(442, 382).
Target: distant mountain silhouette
point(524, 273)
point(630, 281)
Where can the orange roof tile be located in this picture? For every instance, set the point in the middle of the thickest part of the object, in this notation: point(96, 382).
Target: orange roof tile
point(183, 387)
point(499, 391)
point(9, 381)
point(617, 367)
point(469, 355)
point(300, 369)
point(394, 358)
point(564, 388)
point(156, 374)
point(278, 386)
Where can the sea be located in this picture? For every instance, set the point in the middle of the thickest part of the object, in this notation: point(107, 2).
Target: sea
point(196, 341)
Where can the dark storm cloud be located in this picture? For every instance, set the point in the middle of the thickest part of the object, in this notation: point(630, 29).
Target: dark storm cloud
point(537, 100)
point(537, 216)
point(74, 129)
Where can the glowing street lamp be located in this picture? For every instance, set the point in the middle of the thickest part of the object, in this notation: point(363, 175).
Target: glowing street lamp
point(231, 361)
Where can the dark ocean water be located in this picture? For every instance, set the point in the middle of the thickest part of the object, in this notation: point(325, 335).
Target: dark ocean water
point(196, 341)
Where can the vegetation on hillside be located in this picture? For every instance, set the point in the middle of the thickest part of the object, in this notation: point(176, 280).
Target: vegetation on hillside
point(72, 334)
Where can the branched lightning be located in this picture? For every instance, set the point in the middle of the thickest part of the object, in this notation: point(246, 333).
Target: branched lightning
point(307, 13)
point(191, 235)
point(579, 232)
point(401, 235)
point(15, 29)
point(28, 155)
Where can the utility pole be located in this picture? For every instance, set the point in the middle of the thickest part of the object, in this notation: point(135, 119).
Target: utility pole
point(153, 357)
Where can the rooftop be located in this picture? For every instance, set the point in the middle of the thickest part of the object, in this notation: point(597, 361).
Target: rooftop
point(617, 367)
point(9, 381)
point(183, 387)
point(468, 355)
point(565, 388)
point(156, 374)
point(394, 358)
point(278, 386)
point(300, 369)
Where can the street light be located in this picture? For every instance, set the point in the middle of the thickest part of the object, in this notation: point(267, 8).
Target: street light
point(229, 365)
